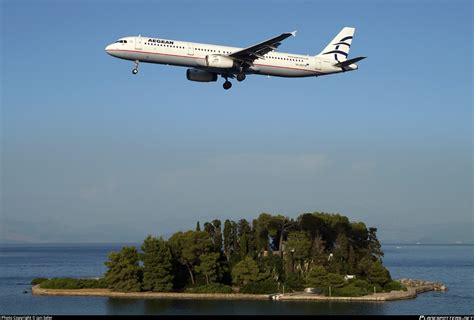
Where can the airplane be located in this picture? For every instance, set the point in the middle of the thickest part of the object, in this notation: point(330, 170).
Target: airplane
point(207, 61)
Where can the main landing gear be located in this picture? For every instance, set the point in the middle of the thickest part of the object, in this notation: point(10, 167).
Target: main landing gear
point(227, 84)
point(135, 70)
point(241, 77)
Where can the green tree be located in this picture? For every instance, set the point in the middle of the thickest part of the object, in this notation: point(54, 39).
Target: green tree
point(298, 249)
point(378, 274)
point(312, 224)
point(359, 234)
point(198, 226)
point(339, 263)
point(331, 226)
point(228, 239)
point(124, 273)
point(244, 232)
point(235, 241)
point(261, 232)
point(318, 255)
point(215, 233)
point(209, 266)
point(271, 266)
point(335, 280)
point(363, 266)
point(374, 246)
point(245, 271)
point(278, 227)
point(244, 245)
point(188, 247)
point(231, 242)
point(317, 277)
point(157, 265)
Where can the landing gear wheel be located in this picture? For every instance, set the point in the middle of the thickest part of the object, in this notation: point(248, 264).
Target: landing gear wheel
point(135, 70)
point(241, 77)
point(227, 85)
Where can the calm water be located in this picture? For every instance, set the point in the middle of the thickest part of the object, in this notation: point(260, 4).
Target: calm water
point(19, 264)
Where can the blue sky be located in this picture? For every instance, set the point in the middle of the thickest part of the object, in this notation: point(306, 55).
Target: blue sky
point(91, 153)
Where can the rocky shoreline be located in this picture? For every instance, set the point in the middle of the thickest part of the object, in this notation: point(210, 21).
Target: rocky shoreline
point(414, 287)
point(424, 285)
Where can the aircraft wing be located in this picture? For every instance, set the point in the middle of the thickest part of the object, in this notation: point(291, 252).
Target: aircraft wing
point(254, 52)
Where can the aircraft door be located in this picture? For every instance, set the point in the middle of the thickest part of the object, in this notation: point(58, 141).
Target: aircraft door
point(318, 66)
point(190, 49)
point(138, 43)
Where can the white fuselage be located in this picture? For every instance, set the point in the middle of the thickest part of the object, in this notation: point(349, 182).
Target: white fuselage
point(193, 55)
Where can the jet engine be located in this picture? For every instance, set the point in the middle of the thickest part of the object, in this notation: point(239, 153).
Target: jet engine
point(217, 61)
point(200, 76)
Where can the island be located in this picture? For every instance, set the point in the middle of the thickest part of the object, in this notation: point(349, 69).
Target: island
point(317, 256)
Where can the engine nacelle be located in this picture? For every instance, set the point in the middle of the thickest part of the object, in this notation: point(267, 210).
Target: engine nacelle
point(218, 61)
point(200, 76)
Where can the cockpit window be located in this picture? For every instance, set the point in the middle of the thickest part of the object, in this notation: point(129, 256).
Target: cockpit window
point(121, 41)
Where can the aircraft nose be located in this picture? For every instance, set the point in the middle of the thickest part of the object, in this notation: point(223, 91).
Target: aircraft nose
point(108, 48)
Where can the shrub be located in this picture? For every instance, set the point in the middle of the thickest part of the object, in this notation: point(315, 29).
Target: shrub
point(361, 284)
point(211, 288)
point(349, 291)
point(335, 280)
point(294, 282)
point(317, 277)
point(70, 283)
point(245, 271)
point(61, 283)
point(378, 288)
point(262, 287)
point(36, 281)
point(100, 283)
point(392, 286)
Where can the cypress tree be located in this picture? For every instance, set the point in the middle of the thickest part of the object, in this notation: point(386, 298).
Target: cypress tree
point(227, 239)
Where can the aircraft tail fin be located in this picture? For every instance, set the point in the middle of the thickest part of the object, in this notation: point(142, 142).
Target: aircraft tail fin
point(338, 48)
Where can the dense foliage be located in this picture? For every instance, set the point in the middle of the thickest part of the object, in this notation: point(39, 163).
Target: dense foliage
point(157, 265)
point(36, 281)
point(267, 286)
point(71, 283)
point(317, 250)
point(124, 272)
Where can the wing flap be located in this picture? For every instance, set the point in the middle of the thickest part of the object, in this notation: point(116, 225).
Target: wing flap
point(258, 50)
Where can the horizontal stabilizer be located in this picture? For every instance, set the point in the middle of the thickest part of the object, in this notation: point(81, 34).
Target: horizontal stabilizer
point(349, 62)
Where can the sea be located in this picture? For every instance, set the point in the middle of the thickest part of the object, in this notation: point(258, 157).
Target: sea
point(20, 263)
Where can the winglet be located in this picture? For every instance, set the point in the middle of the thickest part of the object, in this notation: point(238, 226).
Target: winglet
point(293, 33)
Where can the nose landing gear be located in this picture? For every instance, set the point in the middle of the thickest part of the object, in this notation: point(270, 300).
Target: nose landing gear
point(135, 70)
